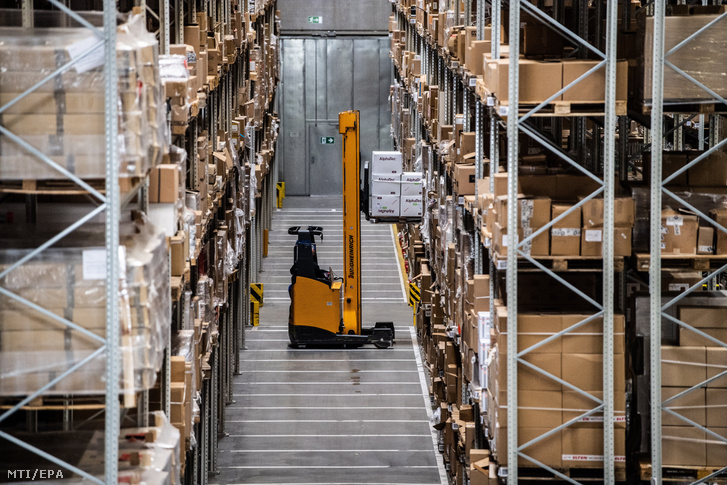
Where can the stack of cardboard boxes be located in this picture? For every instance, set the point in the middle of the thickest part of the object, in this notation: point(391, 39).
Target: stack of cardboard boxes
point(393, 192)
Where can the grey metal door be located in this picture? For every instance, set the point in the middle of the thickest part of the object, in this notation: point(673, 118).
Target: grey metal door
point(320, 78)
point(324, 159)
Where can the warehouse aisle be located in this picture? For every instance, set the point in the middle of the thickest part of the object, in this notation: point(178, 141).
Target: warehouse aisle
point(330, 416)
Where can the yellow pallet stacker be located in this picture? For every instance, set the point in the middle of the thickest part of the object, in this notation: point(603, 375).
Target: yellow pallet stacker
point(324, 309)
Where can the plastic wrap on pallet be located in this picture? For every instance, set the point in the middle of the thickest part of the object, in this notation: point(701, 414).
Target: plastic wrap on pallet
point(64, 117)
point(467, 255)
point(701, 199)
point(69, 283)
point(160, 443)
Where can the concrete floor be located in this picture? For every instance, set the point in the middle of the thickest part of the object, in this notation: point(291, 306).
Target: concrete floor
point(330, 416)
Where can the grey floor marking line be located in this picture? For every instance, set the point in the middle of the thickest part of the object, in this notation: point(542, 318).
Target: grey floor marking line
point(425, 395)
point(328, 451)
point(361, 394)
point(327, 421)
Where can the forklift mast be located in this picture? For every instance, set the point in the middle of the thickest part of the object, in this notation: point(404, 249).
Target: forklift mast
point(348, 126)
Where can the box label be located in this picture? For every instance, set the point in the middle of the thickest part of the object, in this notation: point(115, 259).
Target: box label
point(566, 231)
point(94, 264)
point(594, 235)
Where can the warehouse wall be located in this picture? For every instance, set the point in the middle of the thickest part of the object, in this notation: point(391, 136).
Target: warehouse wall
point(365, 17)
point(320, 78)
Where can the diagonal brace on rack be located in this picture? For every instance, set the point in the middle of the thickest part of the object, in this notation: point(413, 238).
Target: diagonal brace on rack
point(53, 240)
point(52, 383)
point(694, 287)
point(555, 336)
point(698, 426)
point(65, 67)
point(60, 6)
point(695, 387)
point(561, 280)
point(694, 209)
point(553, 222)
point(560, 381)
point(550, 146)
point(695, 161)
point(548, 468)
point(49, 457)
point(710, 476)
point(562, 91)
point(43, 157)
point(697, 83)
point(560, 28)
point(694, 35)
point(693, 329)
point(561, 427)
point(51, 315)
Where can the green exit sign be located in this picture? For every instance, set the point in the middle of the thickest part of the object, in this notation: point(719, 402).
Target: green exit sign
point(327, 140)
point(315, 20)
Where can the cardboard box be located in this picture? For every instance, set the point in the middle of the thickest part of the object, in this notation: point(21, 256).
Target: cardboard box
point(687, 338)
point(411, 206)
point(585, 371)
point(178, 256)
point(386, 163)
point(576, 404)
point(385, 184)
point(683, 446)
point(164, 183)
point(464, 179)
point(691, 406)
point(592, 88)
point(683, 366)
point(538, 80)
point(705, 240)
point(565, 235)
point(385, 205)
point(716, 364)
point(717, 450)
point(588, 338)
point(710, 172)
point(623, 212)
point(474, 56)
point(583, 447)
point(535, 408)
point(592, 241)
point(678, 233)
point(411, 183)
point(720, 217)
point(547, 451)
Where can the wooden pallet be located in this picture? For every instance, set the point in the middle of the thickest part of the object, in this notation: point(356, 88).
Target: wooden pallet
point(47, 187)
point(580, 474)
point(699, 262)
point(49, 403)
point(561, 263)
point(687, 107)
point(566, 108)
point(682, 473)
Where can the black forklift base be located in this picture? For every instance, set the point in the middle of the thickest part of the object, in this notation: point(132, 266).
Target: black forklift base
point(382, 336)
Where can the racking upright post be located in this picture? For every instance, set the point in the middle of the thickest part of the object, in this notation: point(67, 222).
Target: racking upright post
point(658, 307)
point(494, 124)
point(516, 123)
point(657, 96)
point(609, 181)
point(113, 336)
point(512, 254)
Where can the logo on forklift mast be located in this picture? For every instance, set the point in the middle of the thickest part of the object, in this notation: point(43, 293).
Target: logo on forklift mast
point(350, 256)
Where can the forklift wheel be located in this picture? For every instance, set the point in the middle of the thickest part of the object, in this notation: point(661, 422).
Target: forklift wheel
point(382, 344)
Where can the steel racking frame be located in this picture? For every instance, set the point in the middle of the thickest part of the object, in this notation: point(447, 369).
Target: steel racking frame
point(657, 308)
point(111, 204)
